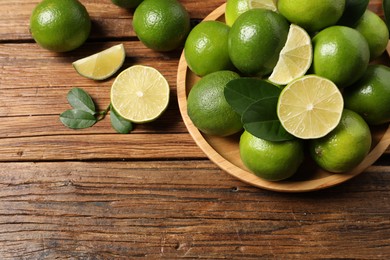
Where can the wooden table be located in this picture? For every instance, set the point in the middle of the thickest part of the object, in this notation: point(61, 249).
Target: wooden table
point(96, 194)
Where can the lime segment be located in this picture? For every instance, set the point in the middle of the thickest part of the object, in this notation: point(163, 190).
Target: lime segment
point(310, 107)
point(295, 58)
point(234, 8)
point(266, 4)
point(101, 65)
point(140, 94)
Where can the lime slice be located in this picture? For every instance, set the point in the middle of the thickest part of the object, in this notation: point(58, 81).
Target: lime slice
point(101, 65)
point(295, 58)
point(266, 4)
point(140, 94)
point(234, 8)
point(310, 107)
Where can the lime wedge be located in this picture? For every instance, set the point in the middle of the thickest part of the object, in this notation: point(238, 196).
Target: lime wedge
point(140, 94)
point(266, 4)
point(310, 107)
point(295, 58)
point(234, 8)
point(101, 65)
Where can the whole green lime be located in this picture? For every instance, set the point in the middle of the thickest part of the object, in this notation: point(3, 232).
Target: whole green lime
point(161, 25)
point(206, 49)
point(370, 96)
point(272, 161)
point(377, 38)
point(208, 108)
point(60, 25)
point(256, 39)
point(312, 15)
point(127, 3)
point(234, 8)
point(341, 54)
point(345, 147)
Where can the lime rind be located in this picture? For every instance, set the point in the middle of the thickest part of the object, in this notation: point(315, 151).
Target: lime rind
point(101, 65)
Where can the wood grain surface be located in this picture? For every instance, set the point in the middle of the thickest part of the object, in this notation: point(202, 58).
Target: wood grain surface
point(153, 194)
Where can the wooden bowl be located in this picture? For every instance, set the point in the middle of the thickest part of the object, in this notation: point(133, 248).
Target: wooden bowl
point(224, 151)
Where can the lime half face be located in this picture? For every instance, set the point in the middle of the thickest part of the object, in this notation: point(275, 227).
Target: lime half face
point(140, 94)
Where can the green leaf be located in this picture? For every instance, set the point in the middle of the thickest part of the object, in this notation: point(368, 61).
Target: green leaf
point(120, 124)
point(242, 92)
point(81, 100)
point(77, 119)
point(261, 120)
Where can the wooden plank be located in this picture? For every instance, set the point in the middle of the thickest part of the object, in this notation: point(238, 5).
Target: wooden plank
point(49, 125)
point(98, 146)
point(180, 209)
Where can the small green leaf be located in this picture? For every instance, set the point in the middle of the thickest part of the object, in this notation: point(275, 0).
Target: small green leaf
point(242, 92)
point(261, 120)
point(77, 119)
point(81, 100)
point(120, 124)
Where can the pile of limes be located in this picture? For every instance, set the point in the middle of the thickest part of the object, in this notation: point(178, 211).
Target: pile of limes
point(319, 54)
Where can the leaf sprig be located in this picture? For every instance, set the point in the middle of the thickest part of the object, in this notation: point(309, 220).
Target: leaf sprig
point(83, 113)
point(256, 101)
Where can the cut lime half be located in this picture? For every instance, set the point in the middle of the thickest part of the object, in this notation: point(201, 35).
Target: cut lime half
point(140, 94)
point(310, 107)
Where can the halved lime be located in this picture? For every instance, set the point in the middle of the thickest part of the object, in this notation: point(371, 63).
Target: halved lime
point(140, 94)
point(101, 65)
point(295, 58)
point(310, 107)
